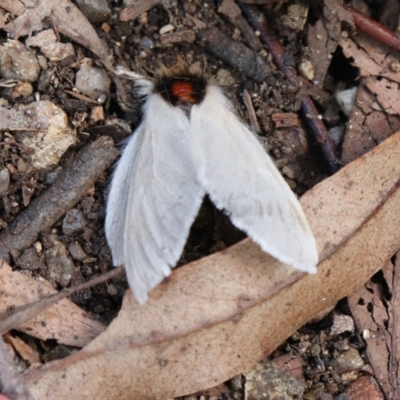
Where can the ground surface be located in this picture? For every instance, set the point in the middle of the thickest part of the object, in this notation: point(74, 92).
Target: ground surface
point(327, 357)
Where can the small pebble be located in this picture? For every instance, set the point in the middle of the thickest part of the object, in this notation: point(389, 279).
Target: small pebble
point(331, 387)
point(112, 289)
point(225, 78)
point(73, 222)
point(58, 51)
point(59, 266)
point(336, 133)
point(4, 181)
point(346, 99)
point(92, 82)
point(22, 166)
point(166, 29)
point(18, 62)
point(76, 252)
point(236, 382)
point(265, 381)
point(306, 70)
point(315, 349)
point(48, 146)
point(341, 345)
point(341, 324)
point(23, 89)
point(146, 43)
point(350, 360)
point(29, 260)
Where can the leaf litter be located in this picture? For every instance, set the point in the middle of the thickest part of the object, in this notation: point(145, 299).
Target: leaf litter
point(352, 215)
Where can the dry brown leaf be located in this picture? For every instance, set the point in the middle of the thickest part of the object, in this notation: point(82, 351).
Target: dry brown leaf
point(222, 314)
point(25, 351)
point(371, 57)
point(367, 124)
point(323, 38)
point(371, 317)
point(386, 92)
point(376, 313)
point(65, 321)
point(65, 16)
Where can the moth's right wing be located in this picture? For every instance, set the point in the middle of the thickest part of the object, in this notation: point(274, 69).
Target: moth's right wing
point(154, 197)
point(240, 178)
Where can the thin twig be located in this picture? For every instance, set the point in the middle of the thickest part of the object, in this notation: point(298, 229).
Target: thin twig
point(374, 29)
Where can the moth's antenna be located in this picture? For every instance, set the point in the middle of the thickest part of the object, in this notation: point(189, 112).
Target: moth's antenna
point(121, 71)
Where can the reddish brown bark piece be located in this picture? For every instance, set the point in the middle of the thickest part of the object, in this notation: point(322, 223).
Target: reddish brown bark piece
point(374, 28)
point(285, 120)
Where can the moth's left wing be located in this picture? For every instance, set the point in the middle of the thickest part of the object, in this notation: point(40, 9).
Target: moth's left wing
point(155, 196)
point(240, 177)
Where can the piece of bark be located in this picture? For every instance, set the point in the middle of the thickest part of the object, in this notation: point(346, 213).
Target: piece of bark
point(285, 120)
point(255, 127)
point(139, 7)
point(235, 54)
point(186, 35)
point(232, 11)
point(44, 211)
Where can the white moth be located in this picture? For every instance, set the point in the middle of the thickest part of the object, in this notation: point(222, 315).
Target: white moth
point(190, 143)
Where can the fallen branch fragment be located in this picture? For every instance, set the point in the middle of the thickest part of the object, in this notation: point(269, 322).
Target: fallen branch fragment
point(308, 110)
point(235, 54)
point(374, 29)
point(44, 211)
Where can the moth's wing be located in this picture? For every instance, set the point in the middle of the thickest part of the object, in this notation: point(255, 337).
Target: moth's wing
point(241, 178)
point(154, 197)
